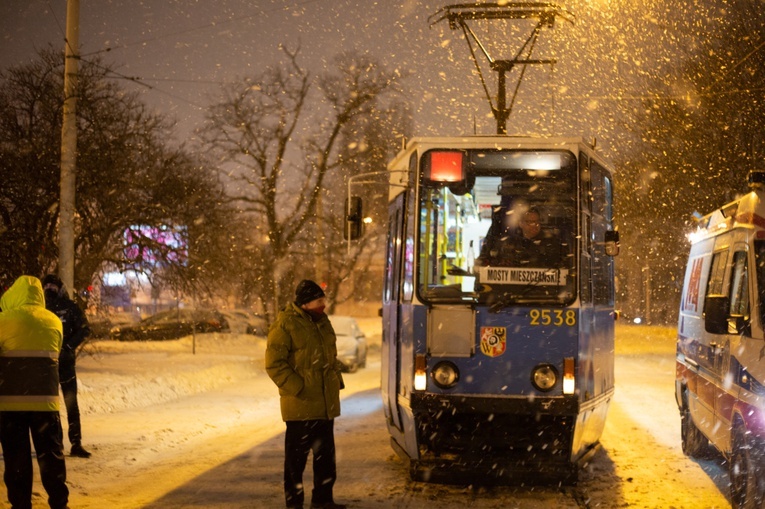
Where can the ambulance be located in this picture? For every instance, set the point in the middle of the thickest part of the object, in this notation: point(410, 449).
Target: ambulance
point(720, 372)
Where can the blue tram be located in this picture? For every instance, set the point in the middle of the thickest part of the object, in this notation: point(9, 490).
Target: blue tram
point(498, 347)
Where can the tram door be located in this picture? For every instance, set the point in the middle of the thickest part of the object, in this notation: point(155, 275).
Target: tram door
point(598, 341)
point(391, 350)
point(601, 219)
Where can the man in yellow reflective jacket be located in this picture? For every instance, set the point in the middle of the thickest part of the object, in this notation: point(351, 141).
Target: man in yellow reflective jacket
point(30, 341)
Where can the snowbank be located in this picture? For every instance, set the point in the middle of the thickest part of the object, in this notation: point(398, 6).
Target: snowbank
point(114, 375)
point(120, 375)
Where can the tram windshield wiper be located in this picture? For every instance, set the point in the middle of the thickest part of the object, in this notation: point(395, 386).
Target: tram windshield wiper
point(453, 270)
point(514, 297)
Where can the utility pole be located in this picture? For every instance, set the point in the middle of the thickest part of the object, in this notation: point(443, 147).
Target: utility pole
point(647, 289)
point(318, 261)
point(69, 148)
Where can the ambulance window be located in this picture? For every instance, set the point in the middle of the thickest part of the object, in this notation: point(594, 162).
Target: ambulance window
point(739, 294)
point(717, 275)
point(759, 268)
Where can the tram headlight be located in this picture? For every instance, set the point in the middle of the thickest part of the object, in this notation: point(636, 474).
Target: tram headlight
point(445, 374)
point(544, 377)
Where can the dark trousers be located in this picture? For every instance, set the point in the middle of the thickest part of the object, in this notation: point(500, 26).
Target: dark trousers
point(301, 438)
point(68, 377)
point(47, 436)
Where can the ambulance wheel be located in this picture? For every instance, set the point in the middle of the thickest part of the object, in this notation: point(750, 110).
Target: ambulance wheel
point(695, 444)
point(746, 490)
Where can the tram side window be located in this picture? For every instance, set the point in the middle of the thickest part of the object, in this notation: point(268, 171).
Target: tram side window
point(409, 248)
point(442, 242)
point(431, 240)
point(389, 263)
point(585, 267)
point(739, 290)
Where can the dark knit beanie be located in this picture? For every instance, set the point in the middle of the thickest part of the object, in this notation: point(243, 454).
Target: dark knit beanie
point(307, 291)
point(52, 279)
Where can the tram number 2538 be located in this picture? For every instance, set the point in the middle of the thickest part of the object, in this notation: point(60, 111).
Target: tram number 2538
point(554, 317)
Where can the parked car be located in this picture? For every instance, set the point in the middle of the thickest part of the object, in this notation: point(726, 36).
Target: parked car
point(101, 324)
point(351, 343)
point(258, 326)
point(244, 321)
point(172, 324)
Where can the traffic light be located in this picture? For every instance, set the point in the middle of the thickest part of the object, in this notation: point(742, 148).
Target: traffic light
point(353, 220)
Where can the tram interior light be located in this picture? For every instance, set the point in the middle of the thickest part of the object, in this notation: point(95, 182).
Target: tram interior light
point(538, 161)
point(519, 160)
point(420, 374)
point(444, 166)
point(569, 381)
point(468, 284)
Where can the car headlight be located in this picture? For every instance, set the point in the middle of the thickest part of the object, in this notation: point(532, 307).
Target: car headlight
point(544, 377)
point(445, 374)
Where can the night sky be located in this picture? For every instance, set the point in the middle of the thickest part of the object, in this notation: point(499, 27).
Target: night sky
point(183, 50)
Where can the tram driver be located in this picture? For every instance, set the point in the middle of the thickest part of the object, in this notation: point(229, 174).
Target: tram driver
point(521, 243)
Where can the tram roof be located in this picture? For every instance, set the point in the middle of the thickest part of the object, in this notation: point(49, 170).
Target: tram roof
point(497, 141)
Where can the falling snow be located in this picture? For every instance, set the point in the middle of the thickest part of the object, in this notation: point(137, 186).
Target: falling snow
point(172, 429)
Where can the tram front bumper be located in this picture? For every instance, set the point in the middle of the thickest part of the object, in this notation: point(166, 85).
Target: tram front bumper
point(495, 405)
point(496, 436)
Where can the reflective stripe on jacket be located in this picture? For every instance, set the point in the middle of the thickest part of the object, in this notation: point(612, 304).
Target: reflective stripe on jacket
point(301, 359)
point(30, 341)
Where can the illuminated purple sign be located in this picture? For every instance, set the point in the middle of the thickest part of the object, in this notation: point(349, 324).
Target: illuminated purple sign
point(153, 245)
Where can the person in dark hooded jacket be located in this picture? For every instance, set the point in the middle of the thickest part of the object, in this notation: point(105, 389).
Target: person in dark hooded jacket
point(301, 359)
point(76, 331)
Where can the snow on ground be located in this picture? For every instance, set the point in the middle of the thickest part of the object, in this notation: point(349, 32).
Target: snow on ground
point(114, 376)
point(194, 423)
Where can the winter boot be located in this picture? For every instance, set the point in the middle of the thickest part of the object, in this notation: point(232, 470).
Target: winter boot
point(79, 451)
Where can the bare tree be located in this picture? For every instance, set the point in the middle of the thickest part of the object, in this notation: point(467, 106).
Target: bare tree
point(695, 150)
point(128, 175)
point(278, 154)
point(368, 143)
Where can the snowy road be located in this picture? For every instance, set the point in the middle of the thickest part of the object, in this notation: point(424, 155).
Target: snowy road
point(220, 445)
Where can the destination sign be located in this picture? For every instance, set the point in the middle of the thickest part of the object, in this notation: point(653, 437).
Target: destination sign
point(517, 276)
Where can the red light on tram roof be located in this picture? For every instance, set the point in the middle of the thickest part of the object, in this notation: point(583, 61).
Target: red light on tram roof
point(444, 166)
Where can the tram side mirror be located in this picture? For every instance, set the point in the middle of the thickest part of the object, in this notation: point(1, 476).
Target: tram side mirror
point(353, 219)
point(612, 242)
point(716, 308)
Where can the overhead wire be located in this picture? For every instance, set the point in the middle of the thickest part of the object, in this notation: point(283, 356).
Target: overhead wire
point(55, 18)
point(744, 59)
point(142, 81)
point(657, 97)
point(201, 27)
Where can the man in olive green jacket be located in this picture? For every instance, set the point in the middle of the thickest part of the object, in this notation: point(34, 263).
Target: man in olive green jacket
point(301, 359)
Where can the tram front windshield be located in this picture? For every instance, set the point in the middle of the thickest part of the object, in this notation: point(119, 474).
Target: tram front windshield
point(501, 230)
